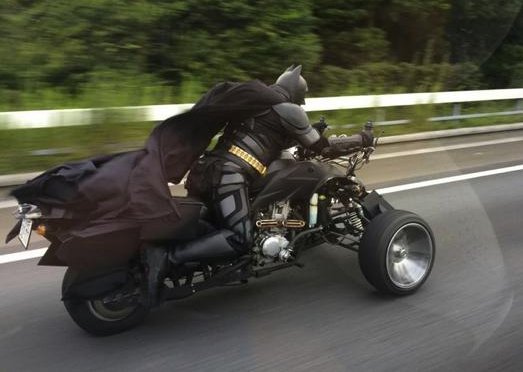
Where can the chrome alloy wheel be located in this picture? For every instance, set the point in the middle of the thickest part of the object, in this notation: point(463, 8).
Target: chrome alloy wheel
point(110, 312)
point(409, 255)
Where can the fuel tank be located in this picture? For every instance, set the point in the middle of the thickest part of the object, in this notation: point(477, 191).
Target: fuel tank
point(288, 179)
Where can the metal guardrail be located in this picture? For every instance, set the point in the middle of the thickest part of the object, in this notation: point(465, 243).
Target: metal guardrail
point(454, 116)
point(70, 117)
point(11, 180)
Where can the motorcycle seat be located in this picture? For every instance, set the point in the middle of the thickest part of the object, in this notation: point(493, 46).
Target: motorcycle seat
point(191, 223)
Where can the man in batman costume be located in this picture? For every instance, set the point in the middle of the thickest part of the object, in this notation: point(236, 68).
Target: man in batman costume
point(247, 147)
point(129, 191)
point(222, 176)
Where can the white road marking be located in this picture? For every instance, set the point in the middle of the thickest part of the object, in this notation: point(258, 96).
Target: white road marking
point(445, 148)
point(11, 203)
point(20, 256)
point(26, 255)
point(439, 181)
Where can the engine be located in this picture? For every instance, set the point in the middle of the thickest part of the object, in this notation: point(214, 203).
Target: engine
point(273, 228)
point(273, 247)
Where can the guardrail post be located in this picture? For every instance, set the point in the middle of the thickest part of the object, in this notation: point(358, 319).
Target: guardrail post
point(456, 109)
point(380, 115)
point(519, 104)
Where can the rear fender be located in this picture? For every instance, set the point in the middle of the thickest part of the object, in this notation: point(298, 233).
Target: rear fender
point(94, 285)
point(50, 258)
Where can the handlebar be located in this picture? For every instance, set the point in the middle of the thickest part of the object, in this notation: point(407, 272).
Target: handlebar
point(355, 154)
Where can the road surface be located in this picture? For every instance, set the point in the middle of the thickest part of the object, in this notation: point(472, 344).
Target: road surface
point(326, 316)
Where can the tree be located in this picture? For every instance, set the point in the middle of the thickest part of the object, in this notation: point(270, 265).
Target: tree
point(237, 39)
point(504, 67)
point(478, 27)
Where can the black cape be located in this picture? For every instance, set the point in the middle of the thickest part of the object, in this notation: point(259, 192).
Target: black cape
point(128, 190)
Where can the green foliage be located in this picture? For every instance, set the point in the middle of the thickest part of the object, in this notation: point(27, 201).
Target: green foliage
point(516, 79)
point(127, 52)
point(478, 27)
point(106, 53)
point(75, 46)
point(384, 77)
point(503, 67)
point(465, 76)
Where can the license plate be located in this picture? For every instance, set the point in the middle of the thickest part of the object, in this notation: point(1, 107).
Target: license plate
point(25, 232)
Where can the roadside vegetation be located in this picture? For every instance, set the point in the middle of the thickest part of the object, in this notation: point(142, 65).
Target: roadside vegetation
point(106, 53)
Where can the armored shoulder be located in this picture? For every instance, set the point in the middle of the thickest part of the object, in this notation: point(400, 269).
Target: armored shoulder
point(295, 121)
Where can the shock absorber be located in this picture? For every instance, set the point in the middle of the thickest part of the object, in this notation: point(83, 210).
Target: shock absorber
point(355, 221)
point(356, 215)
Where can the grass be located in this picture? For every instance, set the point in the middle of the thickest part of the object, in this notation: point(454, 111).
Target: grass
point(20, 149)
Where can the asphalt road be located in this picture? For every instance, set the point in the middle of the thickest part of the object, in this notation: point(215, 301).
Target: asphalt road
point(325, 316)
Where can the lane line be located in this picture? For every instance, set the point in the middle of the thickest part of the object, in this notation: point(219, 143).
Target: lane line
point(20, 256)
point(26, 255)
point(445, 148)
point(11, 203)
point(439, 181)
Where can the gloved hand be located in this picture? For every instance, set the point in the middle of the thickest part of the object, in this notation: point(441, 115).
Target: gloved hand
point(367, 138)
point(320, 126)
point(367, 135)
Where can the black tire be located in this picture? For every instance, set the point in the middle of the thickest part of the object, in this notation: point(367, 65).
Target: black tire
point(99, 319)
point(384, 247)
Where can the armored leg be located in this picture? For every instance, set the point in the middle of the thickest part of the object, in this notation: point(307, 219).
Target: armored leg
point(229, 203)
point(155, 258)
point(231, 207)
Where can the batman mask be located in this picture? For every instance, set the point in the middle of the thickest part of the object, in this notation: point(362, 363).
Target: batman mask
point(294, 84)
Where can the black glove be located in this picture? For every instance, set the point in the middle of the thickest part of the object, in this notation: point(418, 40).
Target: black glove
point(367, 138)
point(367, 135)
point(320, 126)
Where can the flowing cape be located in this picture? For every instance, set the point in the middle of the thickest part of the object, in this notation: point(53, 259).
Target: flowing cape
point(129, 190)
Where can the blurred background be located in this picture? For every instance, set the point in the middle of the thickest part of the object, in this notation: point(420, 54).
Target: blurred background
point(108, 53)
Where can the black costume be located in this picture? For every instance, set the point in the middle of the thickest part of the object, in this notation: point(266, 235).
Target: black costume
point(124, 197)
point(222, 179)
point(223, 175)
point(129, 190)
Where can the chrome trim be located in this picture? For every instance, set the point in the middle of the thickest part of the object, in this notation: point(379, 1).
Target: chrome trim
point(409, 255)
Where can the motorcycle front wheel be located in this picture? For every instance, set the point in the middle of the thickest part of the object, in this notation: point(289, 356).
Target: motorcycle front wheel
point(99, 317)
point(397, 252)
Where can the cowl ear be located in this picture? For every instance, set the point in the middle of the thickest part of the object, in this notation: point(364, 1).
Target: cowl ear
point(290, 68)
point(295, 73)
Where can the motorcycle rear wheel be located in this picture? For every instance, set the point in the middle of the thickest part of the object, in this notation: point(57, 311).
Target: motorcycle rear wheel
point(99, 318)
point(397, 252)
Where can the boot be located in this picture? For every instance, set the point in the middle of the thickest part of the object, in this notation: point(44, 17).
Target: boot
point(209, 247)
point(156, 261)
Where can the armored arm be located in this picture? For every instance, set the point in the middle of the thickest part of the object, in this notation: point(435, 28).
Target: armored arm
point(295, 121)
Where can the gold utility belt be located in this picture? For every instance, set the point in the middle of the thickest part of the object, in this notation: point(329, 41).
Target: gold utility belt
point(248, 158)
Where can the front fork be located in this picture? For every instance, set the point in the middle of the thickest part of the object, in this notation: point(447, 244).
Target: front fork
point(345, 226)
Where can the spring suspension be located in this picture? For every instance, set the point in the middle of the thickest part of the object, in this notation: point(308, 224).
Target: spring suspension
point(355, 221)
